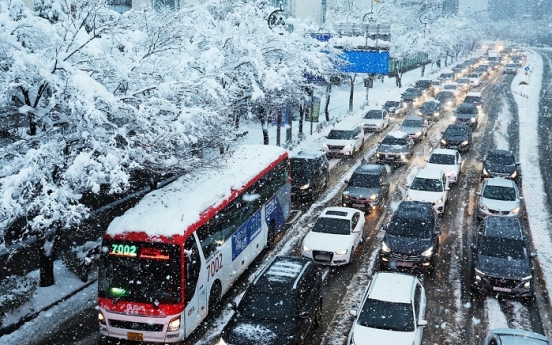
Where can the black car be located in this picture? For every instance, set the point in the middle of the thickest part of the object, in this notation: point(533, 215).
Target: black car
point(367, 188)
point(395, 148)
point(392, 107)
point(426, 86)
point(474, 98)
point(501, 163)
point(457, 137)
point(431, 110)
point(446, 98)
point(502, 258)
point(411, 237)
point(467, 114)
point(412, 95)
point(310, 174)
point(281, 306)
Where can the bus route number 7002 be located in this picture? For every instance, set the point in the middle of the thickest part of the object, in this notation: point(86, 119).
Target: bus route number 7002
point(214, 266)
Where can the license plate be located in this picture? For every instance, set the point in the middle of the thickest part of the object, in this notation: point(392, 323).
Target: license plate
point(322, 257)
point(500, 289)
point(404, 264)
point(135, 336)
point(358, 205)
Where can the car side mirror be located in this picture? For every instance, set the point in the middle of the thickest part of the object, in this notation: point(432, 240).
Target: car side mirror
point(353, 313)
point(534, 254)
point(518, 163)
point(478, 193)
point(437, 232)
point(346, 180)
point(422, 323)
point(520, 198)
point(447, 188)
point(232, 305)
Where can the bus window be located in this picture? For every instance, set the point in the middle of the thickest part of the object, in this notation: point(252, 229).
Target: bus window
point(193, 267)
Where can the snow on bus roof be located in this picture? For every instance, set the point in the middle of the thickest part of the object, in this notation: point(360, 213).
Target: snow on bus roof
point(172, 209)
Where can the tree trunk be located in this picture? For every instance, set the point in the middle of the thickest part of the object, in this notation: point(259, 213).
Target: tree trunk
point(289, 110)
point(301, 117)
point(352, 85)
point(48, 253)
point(262, 117)
point(278, 127)
point(327, 107)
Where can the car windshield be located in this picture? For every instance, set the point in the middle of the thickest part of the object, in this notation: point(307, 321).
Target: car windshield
point(413, 123)
point(340, 135)
point(447, 75)
point(414, 228)
point(333, 226)
point(520, 339)
point(427, 184)
point(472, 99)
point(463, 81)
point(390, 316)
point(511, 65)
point(301, 167)
point(501, 159)
point(429, 106)
point(423, 84)
point(391, 140)
point(374, 114)
point(506, 248)
point(456, 131)
point(437, 158)
point(499, 193)
point(364, 180)
point(473, 75)
point(263, 305)
point(140, 272)
point(466, 110)
point(450, 87)
point(442, 96)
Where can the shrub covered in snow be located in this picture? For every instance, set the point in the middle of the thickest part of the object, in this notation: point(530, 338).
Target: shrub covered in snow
point(15, 291)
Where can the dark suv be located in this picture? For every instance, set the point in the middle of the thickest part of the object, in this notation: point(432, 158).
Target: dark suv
point(281, 306)
point(310, 174)
point(367, 188)
point(467, 114)
point(501, 163)
point(502, 258)
point(426, 86)
point(457, 137)
point(411, 237)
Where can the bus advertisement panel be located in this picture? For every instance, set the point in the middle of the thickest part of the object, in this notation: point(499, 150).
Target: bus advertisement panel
point(169, 260)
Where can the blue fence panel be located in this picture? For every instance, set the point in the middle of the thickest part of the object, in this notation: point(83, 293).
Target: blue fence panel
point(364, 62)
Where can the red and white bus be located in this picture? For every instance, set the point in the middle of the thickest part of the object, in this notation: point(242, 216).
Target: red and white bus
point(168, 260)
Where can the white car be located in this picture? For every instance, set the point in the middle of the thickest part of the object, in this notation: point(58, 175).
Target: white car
point(499, 197)
point(447, 160)
point(392, 311)
point(335, 236)
point(475, 78)
point(345, 139)
point(430, 185)
point(375, 120)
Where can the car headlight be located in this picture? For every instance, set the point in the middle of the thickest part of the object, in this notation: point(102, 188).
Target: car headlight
point(448, 103)
point(222, 342)
point(472, 119)
point(483, 207)
point(305, 186)
point(515, 210)
point(373, 197)
point(464, 143)
point(385, 248)
point(306, 249)
point(527, 285)
point(347, 146)
point(485, 172)
point(379, 124)
point(439, 201)
point(443, 142)
point(436, 114)
point(325, 145)
point(346, 197)
point(420, 113)
point(408, 198)
point(527, 278)
point(418, 133)
point(479, 272)
point(514, 174)
point(428, 252)
point(454, 118)
point(378, 155)
point(101, 318)
point(342, 252)
point(174, 325)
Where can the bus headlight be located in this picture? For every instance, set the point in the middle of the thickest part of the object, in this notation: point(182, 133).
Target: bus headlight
point(101, 318)
point(174, 325)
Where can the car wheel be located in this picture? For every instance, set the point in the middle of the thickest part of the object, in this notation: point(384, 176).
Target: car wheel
point(362, 145)
point(318, 315)
point(351, 256)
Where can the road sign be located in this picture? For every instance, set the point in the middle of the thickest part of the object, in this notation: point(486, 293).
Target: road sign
point(527, 68)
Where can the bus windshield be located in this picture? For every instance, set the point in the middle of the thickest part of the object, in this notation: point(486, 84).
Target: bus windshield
point(140, 272)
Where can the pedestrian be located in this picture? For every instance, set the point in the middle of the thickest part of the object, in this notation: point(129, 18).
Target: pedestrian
point(399, 82)
point(397, 79)
point(438, 63)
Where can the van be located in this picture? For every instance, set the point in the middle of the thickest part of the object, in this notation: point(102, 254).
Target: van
point(345, 139)
point(310, 174)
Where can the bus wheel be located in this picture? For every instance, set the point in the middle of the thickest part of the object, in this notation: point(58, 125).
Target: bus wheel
point(271, 234)
point(214, 297)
